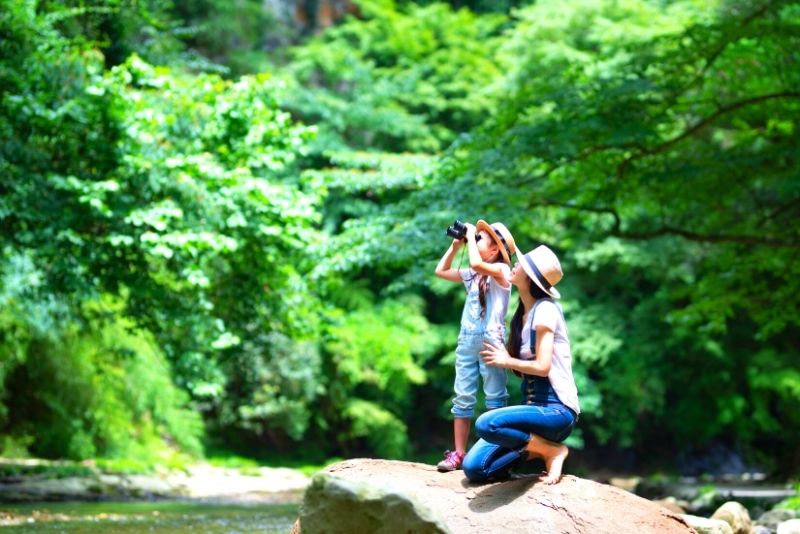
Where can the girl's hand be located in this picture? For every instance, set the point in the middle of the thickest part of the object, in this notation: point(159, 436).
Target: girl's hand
point(470, 231)
point(457, 243)
point(494, 355)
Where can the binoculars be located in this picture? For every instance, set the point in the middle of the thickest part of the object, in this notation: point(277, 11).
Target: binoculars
point(458, 230)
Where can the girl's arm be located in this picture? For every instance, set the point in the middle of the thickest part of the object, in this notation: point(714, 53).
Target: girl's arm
point(499, 357)
point(444, 269)
point(495, 270)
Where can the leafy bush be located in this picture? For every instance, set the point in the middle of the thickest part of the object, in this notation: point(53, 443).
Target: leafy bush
point(101, 391)
point(407, 78)
point(172, 192)
point(376, 353)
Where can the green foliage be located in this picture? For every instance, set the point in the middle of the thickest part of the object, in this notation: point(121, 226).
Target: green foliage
point(357, 192)
point(28, 313)
point(231, 34)
point(377, 347)
point(283, 379)
point(222, 235)
point(669, 194)
point(102, 392)
point(376, 354)
point(171, 192)
point(118, 28)
point(383, 431)
point(792, 503)
point(404, 79)
point(280, 274)
point(43, 470)
point(647, 142)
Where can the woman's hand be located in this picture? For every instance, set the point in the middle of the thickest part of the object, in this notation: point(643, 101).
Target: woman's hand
point(494, 355)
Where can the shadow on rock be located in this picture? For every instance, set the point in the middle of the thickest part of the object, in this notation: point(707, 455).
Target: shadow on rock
point(492, 496)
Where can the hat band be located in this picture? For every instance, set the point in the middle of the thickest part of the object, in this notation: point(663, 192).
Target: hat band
point(542, 280)
point(502, 240)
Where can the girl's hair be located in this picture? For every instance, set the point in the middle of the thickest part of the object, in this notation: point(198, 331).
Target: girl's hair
point(483, 284)
point(515, 336)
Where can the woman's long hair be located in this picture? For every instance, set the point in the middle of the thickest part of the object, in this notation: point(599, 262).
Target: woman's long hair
point(515, 336)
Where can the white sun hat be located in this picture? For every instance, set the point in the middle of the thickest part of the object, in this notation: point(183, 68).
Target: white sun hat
point(542, 266)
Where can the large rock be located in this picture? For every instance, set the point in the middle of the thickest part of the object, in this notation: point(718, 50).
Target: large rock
point(773, 518)
point(708, 526)
point(735, 515)
point(381, 497)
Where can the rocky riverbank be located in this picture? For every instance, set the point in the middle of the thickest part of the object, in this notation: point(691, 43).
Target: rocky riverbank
point(446, 502)
point(28, 483)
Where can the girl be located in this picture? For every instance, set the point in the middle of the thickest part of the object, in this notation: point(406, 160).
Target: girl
point(550, 406)
point(483, 319)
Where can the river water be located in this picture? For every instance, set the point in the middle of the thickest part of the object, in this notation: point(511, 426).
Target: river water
point(161, 517)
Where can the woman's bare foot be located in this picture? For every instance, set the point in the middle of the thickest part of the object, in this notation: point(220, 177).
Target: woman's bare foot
point(554, 465)
point(553, 455)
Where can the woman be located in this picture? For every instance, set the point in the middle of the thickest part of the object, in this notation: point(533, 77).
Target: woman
point(538, 349)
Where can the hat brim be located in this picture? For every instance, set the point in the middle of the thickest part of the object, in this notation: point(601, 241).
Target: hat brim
point(483, 225)
point(553, 292)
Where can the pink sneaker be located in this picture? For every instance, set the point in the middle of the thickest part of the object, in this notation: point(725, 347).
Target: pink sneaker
point(452, 461)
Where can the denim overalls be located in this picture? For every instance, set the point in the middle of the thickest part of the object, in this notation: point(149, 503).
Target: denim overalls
point(475, 329)
point(537, 391)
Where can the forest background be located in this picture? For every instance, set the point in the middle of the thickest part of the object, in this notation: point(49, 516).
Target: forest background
point(220, 221)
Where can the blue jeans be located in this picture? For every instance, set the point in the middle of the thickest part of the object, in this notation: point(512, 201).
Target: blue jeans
point(505, 432)
point(468, 366)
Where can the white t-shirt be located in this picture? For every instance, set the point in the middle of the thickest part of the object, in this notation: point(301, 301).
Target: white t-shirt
point(549, 315)
point(493, 322)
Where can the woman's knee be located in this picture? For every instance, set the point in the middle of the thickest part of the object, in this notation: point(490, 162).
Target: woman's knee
point(564, 433)
point(484, 426)
point(473, 468)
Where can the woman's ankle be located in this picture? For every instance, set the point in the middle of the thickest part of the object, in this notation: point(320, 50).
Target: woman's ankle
point(539, 447)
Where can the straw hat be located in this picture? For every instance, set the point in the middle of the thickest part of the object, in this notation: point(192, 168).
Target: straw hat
point(542, 266)
point(501, 236)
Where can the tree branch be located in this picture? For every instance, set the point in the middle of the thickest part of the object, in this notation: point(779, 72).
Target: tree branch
point(765, 240)
point(666, 145)
point(583, 155)
point(788, 206)
point(731, 39)
point(768, 241)
point(591, 209)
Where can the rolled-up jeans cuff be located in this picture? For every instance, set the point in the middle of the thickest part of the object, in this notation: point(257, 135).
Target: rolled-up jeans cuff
point(462, 413)
point(500, 403)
